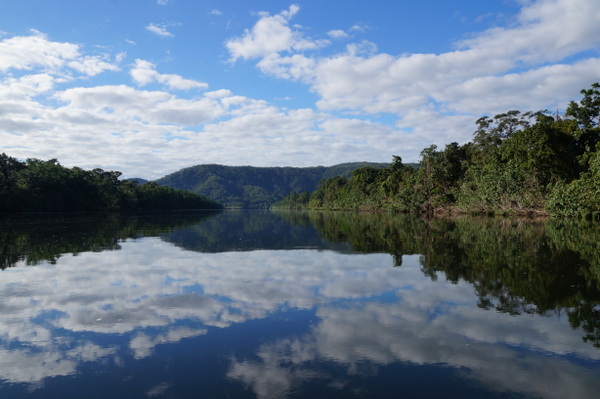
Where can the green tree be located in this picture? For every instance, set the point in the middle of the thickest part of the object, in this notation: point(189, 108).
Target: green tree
point(492, 131)
point(440, 174)
point(10, 168)
point(581, 196)
point(587, 111)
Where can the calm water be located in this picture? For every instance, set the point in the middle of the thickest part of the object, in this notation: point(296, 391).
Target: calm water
point(298, 305)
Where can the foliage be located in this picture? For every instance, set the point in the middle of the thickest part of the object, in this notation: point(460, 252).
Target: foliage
point(580, 196)
point(587, 111)
point(526, 163)
point(47, 186)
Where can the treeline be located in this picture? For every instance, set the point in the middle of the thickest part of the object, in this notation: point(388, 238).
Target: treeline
point(47, 186)
point(254, 187)
point(517, 162)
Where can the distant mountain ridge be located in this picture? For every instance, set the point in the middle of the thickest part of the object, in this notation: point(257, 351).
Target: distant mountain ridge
point(255, 187)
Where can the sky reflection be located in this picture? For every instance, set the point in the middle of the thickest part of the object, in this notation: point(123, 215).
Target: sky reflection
point(368, 314)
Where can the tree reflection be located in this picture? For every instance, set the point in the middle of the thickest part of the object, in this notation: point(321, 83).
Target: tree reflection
point(44, 238)
point(254, 230)
point(516, 266)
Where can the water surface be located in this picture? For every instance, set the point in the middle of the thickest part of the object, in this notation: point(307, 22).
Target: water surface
point(289, 305)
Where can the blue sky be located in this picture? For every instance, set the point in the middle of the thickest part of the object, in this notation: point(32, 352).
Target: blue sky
point(151, 86)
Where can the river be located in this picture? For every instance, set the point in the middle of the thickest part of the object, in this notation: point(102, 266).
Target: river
point(249, 304)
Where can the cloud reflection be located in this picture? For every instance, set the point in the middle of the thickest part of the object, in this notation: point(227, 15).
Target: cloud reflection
point(144, 290)
point(379, 334)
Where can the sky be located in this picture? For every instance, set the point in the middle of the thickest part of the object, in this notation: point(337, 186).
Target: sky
point(148, 87)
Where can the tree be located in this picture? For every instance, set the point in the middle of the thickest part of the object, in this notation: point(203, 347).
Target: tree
point(396, 163)
point(10, 169)
point(544, 152)
point(440, 174)
point(581, 196)
point(586, 116)
point(587, 111)
point(492, 131)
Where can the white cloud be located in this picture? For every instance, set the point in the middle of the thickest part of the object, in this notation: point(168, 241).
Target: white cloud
point(151, 132)
point(546, 31)
point(92, 66)
point(496, 70)
point(368, 104)
point(27, 52)
point(160, 30)
point(337, 34)
point(36, 51)
point(359, 28)
point(270, 35)
point(162, 2)
point(386, 83)
point(26, 86)
point(144, 72)
point(130, 107)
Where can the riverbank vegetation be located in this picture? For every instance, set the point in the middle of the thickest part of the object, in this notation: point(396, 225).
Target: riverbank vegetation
point(47, 186)
point(530, 162)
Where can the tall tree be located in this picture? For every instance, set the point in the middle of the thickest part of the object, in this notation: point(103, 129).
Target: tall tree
point(587, 111)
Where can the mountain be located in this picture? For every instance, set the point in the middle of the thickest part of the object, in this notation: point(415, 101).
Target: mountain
point(254, 187)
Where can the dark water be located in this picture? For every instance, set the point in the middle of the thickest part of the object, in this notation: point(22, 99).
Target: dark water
point(298, 305)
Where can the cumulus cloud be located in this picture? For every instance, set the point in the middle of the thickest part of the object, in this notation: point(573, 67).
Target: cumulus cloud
point(159, 29)
point(493, 70)
point(27, 52)
point(144, 72)
point(150, 132)
point(545, 31)
point(36, 51)
point(123, 128)
point(271, 35)
point(540, 60)
point(337, 34)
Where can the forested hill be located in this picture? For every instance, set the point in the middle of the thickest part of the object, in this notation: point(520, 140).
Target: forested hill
point(255, 187)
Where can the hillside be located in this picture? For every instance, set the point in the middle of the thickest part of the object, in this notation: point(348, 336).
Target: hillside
point(254, 187)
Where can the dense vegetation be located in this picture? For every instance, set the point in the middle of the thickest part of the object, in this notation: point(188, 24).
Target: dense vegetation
point(254, 187)
point(517, 163)
point(47, 186)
